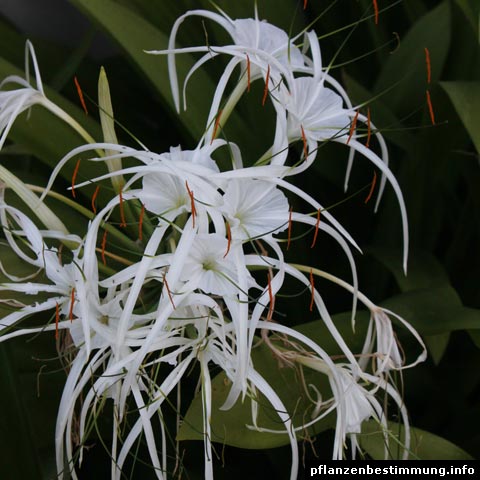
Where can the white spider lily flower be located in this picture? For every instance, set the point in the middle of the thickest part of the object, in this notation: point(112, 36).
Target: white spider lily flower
point(254, 208)
point(164, 194)
point(169, 193)
point(14, 102)
point(355, 403)
point(315, 112)
point(209, 268)
point(200, 156)
point(381, 342)
point(356, 406)
point(247, 35)
point(67, 280)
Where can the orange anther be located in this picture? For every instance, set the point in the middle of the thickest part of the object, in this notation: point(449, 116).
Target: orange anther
point(94, 198)
point(74, 176)
point(352, 127)
point(429, 66)
point(168, 290)
point(192, 204)
point(140, 223)
point(317, 225)
point(372, 187)
point(215, 128)
point(104, 244)
point(80, 95)
point(72, 302)
point(369, 128)
point(430, 108)
point(375, 9)
point(271, 305)
point(265, 91)
point(229, 239)
point(305, 145)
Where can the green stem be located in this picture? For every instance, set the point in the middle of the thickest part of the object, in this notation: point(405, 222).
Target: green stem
point(231, 103)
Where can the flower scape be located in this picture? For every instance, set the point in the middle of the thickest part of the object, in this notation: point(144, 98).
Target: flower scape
point(179, 268)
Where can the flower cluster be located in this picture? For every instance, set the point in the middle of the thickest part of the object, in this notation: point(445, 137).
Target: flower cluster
point(208, 257)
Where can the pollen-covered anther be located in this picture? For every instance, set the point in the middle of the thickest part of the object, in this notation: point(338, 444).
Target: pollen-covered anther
point(169, 293)
point(192, 203)
point(94, 199)
point(248, 72)
point(104, 244)
point(74, 176)
point(430, 108)
point(317, 225)
point(428, 65)
point(375, 9)
point(352, 127)
point(72, 303)
point(372, 187)
point(80, 95)
point(271, 305)
point(369, 128)
point(140, 223)
point(265, 90)
point(304, 140)
point(215, 128)
point(229, 239)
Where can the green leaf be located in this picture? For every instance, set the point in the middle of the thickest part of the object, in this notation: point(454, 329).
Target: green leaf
point(407, 64)
point(424, 270)
point(424, 445)
point(465, 97)
point(17, 440)
point(437, 345)
point(319, 332)
point(135, 35)
point(434, 311)
point(475, 336)
point(230, 427)
point(471, 9)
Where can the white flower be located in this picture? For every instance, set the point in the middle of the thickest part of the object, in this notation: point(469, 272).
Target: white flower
point(254, 208)
point(314, 111)
point(209, 268)
point(14, 102)
point(381, 342)
point(249, 36)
